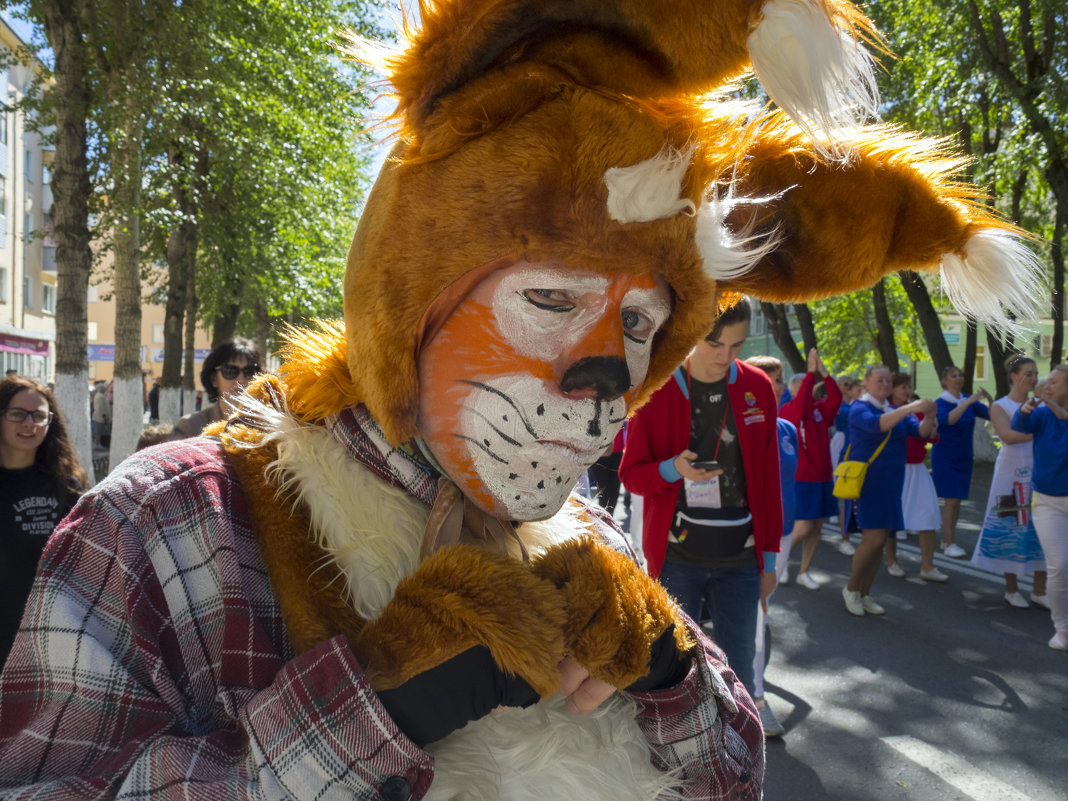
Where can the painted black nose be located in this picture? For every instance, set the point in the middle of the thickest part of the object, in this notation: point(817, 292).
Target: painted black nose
point(607, 377)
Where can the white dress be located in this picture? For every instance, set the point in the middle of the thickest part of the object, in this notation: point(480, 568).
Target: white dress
point(1008, 542)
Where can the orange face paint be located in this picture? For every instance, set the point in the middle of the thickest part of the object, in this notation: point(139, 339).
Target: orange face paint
point(527, 382)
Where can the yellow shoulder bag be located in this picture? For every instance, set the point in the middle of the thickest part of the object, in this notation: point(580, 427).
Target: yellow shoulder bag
point(849, 476)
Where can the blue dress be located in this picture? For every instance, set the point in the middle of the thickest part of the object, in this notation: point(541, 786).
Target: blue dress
point(879, 504)
point(952, 456)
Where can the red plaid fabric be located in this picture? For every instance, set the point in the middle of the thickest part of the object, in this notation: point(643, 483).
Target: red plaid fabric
point(153, 662)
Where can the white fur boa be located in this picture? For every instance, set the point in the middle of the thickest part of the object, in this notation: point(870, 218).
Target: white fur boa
point(373, 532)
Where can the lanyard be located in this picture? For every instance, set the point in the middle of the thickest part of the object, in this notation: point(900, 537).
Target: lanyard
point(726, 409)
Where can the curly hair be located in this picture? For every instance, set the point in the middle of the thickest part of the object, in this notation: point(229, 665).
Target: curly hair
point(56, 454)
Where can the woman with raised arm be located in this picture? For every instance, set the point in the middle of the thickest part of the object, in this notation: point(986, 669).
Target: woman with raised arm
point(1008, 543)
point(1048, 424)
point(874, 425)
point(952, 456)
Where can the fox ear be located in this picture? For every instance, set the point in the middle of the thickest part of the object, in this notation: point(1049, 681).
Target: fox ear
point(835, 228)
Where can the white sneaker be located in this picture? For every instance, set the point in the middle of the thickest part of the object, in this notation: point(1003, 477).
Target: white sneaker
point(846, 547)
point(870, 606)
point(1017, 600)
point(1040, 600)
point(1059, 641)
point(806, 581)
point(785, 578)
point(934, 574)
point(902, 535)
point(852, 602)
point(895, 570)
point(953, 551)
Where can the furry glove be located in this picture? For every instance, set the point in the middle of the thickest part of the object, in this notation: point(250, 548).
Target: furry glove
point(619, 620)
point(459, 598)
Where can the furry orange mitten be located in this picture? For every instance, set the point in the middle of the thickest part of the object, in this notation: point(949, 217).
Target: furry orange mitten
point(459, 598)
point(615, 612)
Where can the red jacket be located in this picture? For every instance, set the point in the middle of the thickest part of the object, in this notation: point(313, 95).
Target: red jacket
point(814, 420)
point(660, 431)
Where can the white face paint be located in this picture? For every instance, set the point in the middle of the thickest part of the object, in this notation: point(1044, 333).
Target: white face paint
point(499, 408)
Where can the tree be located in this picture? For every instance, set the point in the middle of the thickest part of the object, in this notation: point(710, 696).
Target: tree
point(71, 98)
point(884, 329)
point(849, 331)
point(779, 323)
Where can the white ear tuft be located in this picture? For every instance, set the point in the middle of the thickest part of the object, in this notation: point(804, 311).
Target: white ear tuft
point(995, 273)
point(651, 189)
point(728, 254)
point(815, 71)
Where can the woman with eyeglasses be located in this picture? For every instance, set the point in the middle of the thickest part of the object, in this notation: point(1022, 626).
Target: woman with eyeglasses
point(40, 479)
point(226, 371)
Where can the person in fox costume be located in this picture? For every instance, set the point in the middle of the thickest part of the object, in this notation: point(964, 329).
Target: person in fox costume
point(374, 581)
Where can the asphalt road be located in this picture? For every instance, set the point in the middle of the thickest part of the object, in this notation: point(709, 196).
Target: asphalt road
point(952, 695)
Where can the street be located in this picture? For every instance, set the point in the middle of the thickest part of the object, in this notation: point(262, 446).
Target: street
point(952, 695)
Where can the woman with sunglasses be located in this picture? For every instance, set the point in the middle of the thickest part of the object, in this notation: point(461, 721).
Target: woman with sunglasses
point(226, 371)
point(40, 479)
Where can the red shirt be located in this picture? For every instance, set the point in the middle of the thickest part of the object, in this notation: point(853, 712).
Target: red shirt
point(814, 420)
point(660, 431)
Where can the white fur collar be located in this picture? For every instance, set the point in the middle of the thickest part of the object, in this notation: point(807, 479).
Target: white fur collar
point(949, 397)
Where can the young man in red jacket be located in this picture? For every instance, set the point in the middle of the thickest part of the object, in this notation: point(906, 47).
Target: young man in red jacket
point(813, 489)
point(711, 531)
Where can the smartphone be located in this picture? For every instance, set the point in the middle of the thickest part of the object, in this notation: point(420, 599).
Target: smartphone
point(705, 465)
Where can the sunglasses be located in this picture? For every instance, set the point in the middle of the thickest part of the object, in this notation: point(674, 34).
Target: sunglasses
point(232, 371)
point(13, 414)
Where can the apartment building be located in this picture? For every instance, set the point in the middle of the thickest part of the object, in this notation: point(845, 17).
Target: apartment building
point(27, 249)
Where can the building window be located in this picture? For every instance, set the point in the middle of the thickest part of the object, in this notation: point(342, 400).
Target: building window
point(27, 292)
point(3, 196)
point(29, 166)
point(3, 127)
point(46, 174)
point(3, 284)
point(93, 294)
point(980, 362)
point(48, 298)
point(27, 227)
point(91, 334)
point(157, 333)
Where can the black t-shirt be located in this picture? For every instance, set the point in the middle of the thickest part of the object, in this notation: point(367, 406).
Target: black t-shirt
point(714, 435)
point(32, 503)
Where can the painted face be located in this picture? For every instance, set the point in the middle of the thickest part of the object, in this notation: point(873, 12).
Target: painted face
point(879, 383)
point(27, 435)
point(901, 394)
point(530, 378)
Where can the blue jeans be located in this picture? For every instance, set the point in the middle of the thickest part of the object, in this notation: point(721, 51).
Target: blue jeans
point(732, 596)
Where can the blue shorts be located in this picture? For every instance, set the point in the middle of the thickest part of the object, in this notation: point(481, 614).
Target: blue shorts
point(814, 500)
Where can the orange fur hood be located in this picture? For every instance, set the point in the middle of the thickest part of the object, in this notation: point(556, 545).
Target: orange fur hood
point(590, 133)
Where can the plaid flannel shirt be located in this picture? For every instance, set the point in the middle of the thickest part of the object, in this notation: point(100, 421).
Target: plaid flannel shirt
point(153, 662)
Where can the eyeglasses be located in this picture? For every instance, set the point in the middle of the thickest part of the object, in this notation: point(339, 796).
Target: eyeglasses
point(231, 371)
point(14, 414)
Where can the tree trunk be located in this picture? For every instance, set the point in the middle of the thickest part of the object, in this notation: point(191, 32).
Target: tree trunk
point(998, 353)
point(70, 211)
point(128, 408)
point(971, 342)
point(931, 325)
point(775, 314)
point(884, 329)
point(1057, 256)
point(189, 373)
point(263, 331)
point(225, 325)
point(808, 328)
